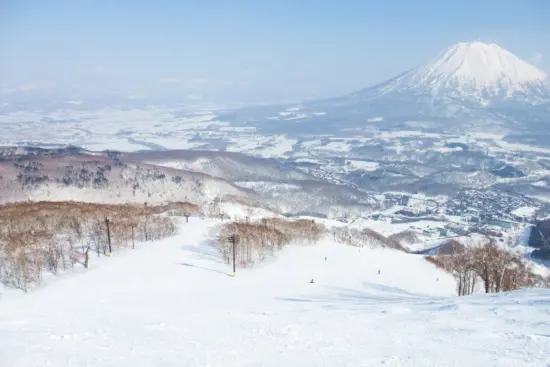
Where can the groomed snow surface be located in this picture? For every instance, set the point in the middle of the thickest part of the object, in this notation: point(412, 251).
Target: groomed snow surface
point(174, 303)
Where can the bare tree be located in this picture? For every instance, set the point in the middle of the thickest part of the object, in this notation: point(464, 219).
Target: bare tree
point(53, 236)
point(498, 269)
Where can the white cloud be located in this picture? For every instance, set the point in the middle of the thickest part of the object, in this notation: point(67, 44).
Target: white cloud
point(168, 80)
point(99, 68)
point(5, 89)
point(78, 102)
point(29, 87)
point(190, 83)
point(193, 82)
point(194, 97)
point(537, 57)
point(134, 96)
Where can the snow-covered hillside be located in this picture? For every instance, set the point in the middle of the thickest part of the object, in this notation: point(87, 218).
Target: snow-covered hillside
point(101, 180)
point(173, 303)
point(158, 177)
point(467, 75)
point(476, 71)
point(226, 165)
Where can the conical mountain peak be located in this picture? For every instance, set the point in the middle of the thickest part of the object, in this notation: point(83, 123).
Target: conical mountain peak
point(475, 71)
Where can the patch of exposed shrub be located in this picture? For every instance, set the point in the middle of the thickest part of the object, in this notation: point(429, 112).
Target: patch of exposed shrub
point(257, 241)
point(38, 237)
point(496, 269)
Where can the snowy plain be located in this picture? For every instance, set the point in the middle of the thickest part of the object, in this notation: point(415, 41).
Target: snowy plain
point(174, 303)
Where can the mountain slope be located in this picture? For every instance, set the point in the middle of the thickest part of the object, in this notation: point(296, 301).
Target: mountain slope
point(226, 165)
point(66, 174)
point(158, 177)
point(469, 84)
point(172, 303)
point(473, 71)
point(465, 78)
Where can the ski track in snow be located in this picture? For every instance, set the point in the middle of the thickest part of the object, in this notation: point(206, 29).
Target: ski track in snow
point(174, 303)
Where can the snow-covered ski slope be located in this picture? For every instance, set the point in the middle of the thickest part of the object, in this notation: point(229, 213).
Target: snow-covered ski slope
point(174, 303)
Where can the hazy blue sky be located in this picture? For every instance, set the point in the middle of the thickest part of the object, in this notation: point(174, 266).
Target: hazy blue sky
point(271, 50)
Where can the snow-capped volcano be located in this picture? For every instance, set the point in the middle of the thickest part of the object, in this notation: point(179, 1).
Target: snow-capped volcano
point(468, 86)
point(475, 71)
point(469, 83)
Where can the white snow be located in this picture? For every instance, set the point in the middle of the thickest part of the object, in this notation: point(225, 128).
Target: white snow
point(525, 211)
point(362, 165)
point(154, 191)
point(484, 65)
point(523, 237)
point(111, 143)
point(335, 146)
point(264, 146)
point(242, 212)
point(473, 69)
point(293, 111)
point(487, 135)
point(387, 229)
point(446, 149)
point(419, 124)
point(173, 303)
point(277, 146)
point(268, 186)
point(507, 147)
point(406, 134)
point(297, 116)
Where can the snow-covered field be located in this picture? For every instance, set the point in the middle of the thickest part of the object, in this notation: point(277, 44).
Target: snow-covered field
point(525, 211)
point(137, 129)
point(173, 303)
point(363, 165)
